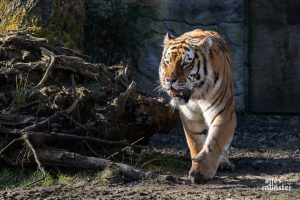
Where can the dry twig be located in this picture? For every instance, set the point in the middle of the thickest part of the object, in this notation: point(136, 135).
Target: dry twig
point(9, 144)
point(36, 158)
point(51, 118)
point(49, 69)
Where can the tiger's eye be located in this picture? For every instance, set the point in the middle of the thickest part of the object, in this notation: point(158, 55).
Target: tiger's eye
point(198, 76)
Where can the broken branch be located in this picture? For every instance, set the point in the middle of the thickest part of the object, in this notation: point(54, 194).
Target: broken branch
point(36, 158)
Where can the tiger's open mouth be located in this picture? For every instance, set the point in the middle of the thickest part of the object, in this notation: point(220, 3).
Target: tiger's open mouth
point(180, 94)
point(176, 93)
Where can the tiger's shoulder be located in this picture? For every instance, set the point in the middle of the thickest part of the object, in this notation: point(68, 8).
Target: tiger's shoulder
point(199, 34)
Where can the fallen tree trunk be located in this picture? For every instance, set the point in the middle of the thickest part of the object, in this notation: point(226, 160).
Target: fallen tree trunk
point(62, 158)
point(58, 157)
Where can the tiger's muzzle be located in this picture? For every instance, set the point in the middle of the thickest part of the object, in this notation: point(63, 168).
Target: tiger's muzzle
point(179, 97)
point(177, 91)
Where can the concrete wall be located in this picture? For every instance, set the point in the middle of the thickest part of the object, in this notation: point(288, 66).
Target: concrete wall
point(275, 61)
point(263, 36)
point(176, 17)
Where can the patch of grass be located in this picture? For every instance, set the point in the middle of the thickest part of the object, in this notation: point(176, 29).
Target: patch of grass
point(48, 180)
point(65, 179)
point(18, 178)
point(78, 178)
point(165, 164)
point(6, 178)
point(158, 163)
point(13, 178)
point(109, 175)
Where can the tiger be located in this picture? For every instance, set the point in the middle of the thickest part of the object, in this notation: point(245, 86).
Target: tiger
point(196, 73)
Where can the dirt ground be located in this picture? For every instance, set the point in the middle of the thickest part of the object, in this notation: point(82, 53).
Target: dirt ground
point(265, 151)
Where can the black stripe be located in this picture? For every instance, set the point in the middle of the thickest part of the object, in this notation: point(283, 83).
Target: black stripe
point(175, 43)
point(216, 78)
point(200, 84)
point(194, 75)
point(215, 101)
point(222, 96)
point(210, 54)
point(204, 132)
point(228, 103)
point(199, 63)
point(205, 67)
point(196, 55)
point(204, 63)
point(221, 47)
point(225, 48)
point(228, 60)
point(186, 48)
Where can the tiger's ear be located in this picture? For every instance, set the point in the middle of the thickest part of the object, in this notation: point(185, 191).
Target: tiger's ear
point(168, 38)
point(205, 43)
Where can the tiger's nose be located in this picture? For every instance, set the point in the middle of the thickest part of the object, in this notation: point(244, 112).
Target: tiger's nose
point(171, 80)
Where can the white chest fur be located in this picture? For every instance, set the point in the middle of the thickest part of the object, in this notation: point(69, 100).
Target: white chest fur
point(193, 116)
point(191, 111)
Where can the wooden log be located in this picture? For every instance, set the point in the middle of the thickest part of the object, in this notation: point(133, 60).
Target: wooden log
point(62, 158)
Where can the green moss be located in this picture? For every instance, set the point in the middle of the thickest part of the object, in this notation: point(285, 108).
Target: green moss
point(10, 19)
point(65, 26)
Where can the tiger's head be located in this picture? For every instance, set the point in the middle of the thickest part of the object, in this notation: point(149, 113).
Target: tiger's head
point(184, 70)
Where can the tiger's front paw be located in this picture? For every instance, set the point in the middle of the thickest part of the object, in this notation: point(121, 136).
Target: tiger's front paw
point(204, 166)
point(197, 177)
point(201, 172)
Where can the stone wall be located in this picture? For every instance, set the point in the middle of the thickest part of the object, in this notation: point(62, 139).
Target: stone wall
point(177, 16)
point(275, 61)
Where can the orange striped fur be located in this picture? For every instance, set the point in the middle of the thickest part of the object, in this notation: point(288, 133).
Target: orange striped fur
point(196, 71)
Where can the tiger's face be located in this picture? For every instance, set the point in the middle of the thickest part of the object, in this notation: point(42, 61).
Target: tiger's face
point(183, 68)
